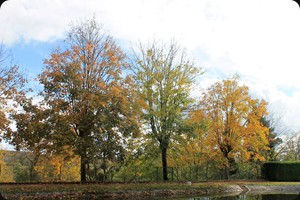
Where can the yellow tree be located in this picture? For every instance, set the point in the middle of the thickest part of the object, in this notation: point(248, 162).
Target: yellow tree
point(235, 129)
point(64, 166)
point(6, 174)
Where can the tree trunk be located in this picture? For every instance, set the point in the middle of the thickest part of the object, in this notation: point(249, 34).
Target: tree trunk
point(83, 156)
point(226, 172)
point(164, 163)
point(83, 169)
point(230, 168)
point(31, 169)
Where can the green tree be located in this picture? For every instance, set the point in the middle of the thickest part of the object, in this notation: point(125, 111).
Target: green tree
point(164, 77)
point(87, 93)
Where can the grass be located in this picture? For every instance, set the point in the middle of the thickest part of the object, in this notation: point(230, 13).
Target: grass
point(114, 188)
point(96, 191)
point(100, 187)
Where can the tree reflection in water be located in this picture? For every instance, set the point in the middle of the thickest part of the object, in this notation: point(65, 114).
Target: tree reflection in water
point(251, 197)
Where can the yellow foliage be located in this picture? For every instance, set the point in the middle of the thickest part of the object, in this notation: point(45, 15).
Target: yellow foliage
point(6, 174)
point(61, 167)
point(234, 129)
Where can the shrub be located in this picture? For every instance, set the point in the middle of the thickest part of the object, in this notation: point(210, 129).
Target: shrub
point(281, 171)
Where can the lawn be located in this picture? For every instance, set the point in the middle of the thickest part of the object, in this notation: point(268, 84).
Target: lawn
point(123, 190)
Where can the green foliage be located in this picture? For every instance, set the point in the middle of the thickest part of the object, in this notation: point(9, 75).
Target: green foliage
point(118, 125)
point(19, 164)
point(281, 171)
point(21, 172)
point(164, 77)
point(59, 167)
point(32, 133)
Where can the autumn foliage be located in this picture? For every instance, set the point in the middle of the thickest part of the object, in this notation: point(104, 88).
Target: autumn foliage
point(89, 98)
point(234, 131)
point(103, 115)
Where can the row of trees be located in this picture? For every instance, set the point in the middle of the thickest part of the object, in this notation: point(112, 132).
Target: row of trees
point(105, 106)
point(17, 166)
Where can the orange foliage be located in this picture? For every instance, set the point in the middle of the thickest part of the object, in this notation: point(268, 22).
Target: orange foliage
point(233, 119)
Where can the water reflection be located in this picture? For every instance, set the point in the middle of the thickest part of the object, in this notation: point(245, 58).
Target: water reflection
point(251, 197)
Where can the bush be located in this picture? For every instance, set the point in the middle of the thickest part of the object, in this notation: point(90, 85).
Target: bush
point(281, 171)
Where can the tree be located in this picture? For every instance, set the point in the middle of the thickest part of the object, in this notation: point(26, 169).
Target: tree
point(164, 77)
point(195, 160)
point(273, 139)
point(11, 84)
point(290, 148)
point(6, 174)
point(235, 129)
point(86, 91)
point(32, 134)
point(59, 167)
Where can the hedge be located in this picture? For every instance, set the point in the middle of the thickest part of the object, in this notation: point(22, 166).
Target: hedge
point(281, 171)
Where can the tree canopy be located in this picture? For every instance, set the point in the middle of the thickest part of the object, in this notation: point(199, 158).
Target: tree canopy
point(102, 113)
point(11, 86)
point(164, 77)
point(234, 118)
point(86, 91)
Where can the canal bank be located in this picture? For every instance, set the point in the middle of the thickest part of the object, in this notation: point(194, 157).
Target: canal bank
point(272, 189)
point(143, 190)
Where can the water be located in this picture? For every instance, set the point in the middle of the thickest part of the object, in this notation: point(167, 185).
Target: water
point(249, 197)
point(285, 196)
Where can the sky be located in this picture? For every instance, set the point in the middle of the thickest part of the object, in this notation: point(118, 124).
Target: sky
point(257, 39)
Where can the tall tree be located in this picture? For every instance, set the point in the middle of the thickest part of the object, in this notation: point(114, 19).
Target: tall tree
point(164, 77)
point(86, 91)
point(235, 128)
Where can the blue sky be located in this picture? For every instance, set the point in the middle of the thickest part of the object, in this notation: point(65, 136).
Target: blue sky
point(30, 56)
point(258, 39)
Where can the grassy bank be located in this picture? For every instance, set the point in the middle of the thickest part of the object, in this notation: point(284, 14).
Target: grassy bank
point(137, 190)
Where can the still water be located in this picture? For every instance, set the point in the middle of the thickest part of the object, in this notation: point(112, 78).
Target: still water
point(294, 196)
point(250, 197)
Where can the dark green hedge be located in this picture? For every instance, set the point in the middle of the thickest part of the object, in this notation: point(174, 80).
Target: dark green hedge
point(281, 171)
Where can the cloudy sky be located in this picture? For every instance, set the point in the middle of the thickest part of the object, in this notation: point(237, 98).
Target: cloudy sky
point(258, 39)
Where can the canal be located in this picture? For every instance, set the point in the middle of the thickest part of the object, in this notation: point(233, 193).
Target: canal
point(249, 197)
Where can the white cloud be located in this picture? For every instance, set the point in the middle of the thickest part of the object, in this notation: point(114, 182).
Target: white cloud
point(259, 39)
point(40, 20)
point(284, 105)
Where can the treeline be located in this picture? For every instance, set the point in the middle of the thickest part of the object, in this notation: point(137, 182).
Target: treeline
point(107, 112)
point(18, 166)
